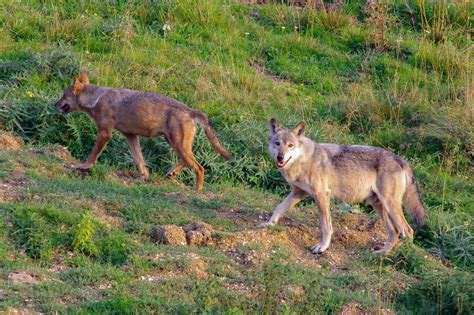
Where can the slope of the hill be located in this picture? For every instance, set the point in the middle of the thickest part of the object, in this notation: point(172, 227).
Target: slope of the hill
point(73, 244)
point(394, 74)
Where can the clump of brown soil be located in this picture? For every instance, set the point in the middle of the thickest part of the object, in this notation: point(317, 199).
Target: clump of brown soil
point(171, 235)
point(10, 143)
point(199, 234)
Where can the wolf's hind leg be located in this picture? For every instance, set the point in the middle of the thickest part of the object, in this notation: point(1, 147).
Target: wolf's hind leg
point(182, 142)
point(407, 230)
point(389, 192)
point(391, 231)
point(137, 156)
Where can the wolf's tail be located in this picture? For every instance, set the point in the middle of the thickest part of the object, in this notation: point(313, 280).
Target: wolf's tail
point(411, 198)
point(204, 122)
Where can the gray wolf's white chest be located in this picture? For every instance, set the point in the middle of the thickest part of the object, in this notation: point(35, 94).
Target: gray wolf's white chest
point(300, 181)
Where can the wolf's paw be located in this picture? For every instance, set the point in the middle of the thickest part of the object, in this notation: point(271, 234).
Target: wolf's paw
point(265, 225)
point(407, 233)
point(144, 177)
point(171, 175)
point(82, 167)
point(319, 248)
point(382, 249)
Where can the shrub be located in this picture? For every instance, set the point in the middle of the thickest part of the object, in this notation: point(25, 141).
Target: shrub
point(83, 234)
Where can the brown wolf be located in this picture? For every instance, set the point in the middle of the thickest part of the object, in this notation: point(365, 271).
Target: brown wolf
point(351, 173)
point(135, 114)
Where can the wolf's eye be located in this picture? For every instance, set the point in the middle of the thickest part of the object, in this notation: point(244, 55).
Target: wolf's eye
point(291, 145)
point(277, 143)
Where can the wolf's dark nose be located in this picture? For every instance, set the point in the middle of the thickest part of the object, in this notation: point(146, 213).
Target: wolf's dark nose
point(279, 158)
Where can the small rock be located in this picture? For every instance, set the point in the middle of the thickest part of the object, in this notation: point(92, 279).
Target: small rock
point(198, 233)
point(171, 235)
point(202, 227)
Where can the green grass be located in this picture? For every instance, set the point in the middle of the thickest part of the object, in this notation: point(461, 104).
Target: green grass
point(394, 75)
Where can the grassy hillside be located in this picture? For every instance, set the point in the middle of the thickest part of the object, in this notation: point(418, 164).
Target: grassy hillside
point(395, 75)
point(89, 245)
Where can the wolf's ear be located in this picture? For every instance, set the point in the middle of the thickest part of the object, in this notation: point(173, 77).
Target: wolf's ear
point(77, 86)
point(299, 129)
point(84, 78)
point(274, 126)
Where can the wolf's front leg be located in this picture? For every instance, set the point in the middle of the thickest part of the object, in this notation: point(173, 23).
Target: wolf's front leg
point(325, 223)
point(292, 199)
point(103, 137)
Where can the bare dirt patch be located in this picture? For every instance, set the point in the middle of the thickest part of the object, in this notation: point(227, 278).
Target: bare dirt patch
point(19, 311)
point(262, 71)
point(197, 267)
point(7, 192)
point(106, 215)
point(21, 277)
point(62, 153)
point(251, 247)
point(10, 143)
point(54, 150)
point(265, 243)
point(240, 217)
point(177, 196)
point(10, 186)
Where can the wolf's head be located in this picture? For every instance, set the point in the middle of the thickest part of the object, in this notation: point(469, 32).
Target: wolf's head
point(284, 144)
point(69, 102)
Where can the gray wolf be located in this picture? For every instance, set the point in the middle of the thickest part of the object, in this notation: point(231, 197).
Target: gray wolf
point(135, 114)
point(351, 173)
